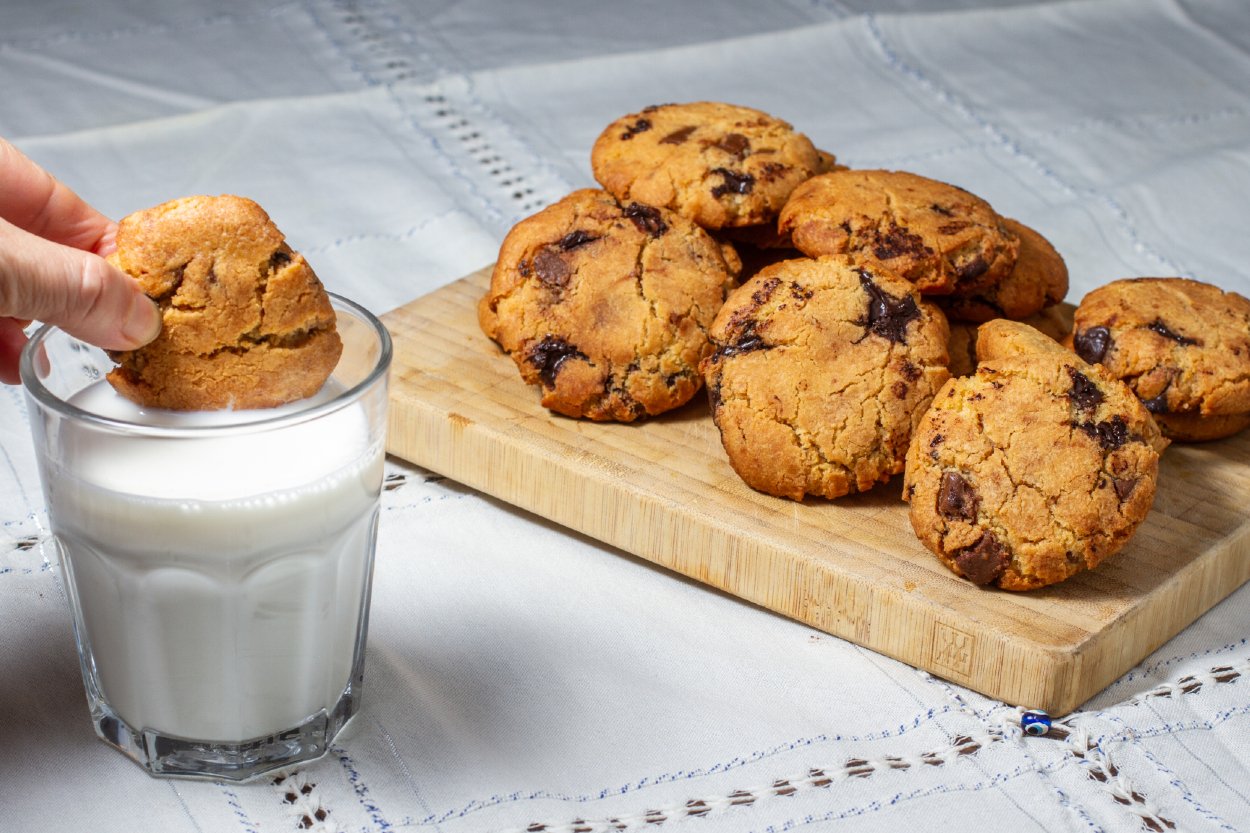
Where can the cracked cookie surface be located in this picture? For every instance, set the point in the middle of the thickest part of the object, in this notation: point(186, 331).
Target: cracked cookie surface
point(606, 306)
point(820, 371)
point(1033, 469)
point(1038, 280)
point(936, 235)
point(246, 323)
point(1183, 346)
point(718, 164)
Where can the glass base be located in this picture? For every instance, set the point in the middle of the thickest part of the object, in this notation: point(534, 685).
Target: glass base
point(169, 756)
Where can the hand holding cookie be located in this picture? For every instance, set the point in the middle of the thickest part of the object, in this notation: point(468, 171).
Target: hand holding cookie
point(52, 269)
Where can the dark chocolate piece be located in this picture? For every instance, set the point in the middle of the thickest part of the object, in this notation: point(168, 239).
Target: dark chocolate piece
point(549, 356)
point(646, 219)
point(678, 136)
point(1092, 344)
point(957, 499)
point(640, 126)
point(1124, 487)
point(887, 316)
point(735, 144)
point(984, 561)
point(1110, 433)
point(574, 239)
point(552, 269)
point(735, 182)
point(1164, 330)
point(1084, 394)
point(897, 241)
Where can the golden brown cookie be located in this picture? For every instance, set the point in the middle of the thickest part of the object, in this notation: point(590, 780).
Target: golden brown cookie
point(1001, 338)
point(1055, 322)
point(606, 306)
point(1196, 428)
point(828, 162)
point(1035, 468)
point(718, 164)
point(821, 369)
point(245, 321)
point(1038, 280)
point(938, 236)
point(1183, 346)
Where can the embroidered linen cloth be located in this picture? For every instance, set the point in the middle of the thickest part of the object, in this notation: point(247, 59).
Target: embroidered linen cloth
point(520, 676)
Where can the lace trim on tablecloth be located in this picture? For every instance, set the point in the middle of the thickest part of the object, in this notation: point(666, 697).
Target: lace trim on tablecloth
point(497, 168)
point(1003, 726)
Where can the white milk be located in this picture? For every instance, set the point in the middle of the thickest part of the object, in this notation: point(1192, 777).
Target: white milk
point(221, 580)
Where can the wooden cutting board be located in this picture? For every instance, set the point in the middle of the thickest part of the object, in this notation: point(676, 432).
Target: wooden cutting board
point(663, 490)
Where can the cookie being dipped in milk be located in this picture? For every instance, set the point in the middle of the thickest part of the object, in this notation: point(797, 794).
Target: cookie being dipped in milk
point(246, 323)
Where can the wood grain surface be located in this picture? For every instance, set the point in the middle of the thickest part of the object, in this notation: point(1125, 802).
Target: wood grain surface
point(662, 489)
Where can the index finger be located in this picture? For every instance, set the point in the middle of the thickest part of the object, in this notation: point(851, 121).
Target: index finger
point(34, 200)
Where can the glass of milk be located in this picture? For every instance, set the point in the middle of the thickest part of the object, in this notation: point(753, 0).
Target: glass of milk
point(218, 564)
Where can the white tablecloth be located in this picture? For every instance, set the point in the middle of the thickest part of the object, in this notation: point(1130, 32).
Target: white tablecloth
point(520, 677)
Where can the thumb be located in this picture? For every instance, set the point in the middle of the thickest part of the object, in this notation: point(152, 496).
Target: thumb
point(77, 291)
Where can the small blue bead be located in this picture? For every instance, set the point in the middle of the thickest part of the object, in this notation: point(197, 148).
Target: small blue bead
point(1035, 723)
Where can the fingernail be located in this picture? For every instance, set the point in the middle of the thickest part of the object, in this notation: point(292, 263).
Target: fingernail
point(143, 322)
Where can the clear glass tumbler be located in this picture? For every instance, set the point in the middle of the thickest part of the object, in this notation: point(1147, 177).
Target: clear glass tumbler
point(218, 565)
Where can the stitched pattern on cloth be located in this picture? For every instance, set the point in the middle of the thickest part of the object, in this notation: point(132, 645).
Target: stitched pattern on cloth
point(504, 176)
point(813, 779)
point(1192, 683)
point(1092, 755)
point(1102, 769)
point(232, 799)
point(304, 803)
point(23, 546)
point(362, 792)
point(1012, 147)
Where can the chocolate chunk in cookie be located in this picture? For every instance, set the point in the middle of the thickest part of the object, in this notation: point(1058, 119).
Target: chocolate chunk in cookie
point(938, 236)
point(1183, 346)
point(717, 164)
point(606, 306)
point(820, 369)
point(1034, 468)
point(1037, 281)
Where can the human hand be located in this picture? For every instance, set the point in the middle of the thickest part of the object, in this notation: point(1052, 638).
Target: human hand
point(52, 267)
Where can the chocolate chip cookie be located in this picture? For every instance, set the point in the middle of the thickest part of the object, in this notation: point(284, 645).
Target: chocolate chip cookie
point(245, 321)
point(1033, 469)
point(938, 236)
point(1183, 346)
point(820, 370)
point(1037, 281)
point(1054, 322)
point(606, 305)
point(718, 164)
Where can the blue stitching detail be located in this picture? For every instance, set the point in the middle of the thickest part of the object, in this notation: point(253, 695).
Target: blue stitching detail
point(1187, 796)
point(407, 234)
point(681, 775)
point(232, 799)
point(1147, 670)
point(362, 791)
point(340, 47)
point(995, 781)
point(1129, 735)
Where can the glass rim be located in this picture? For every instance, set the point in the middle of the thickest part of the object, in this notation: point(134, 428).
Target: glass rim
point(35, 387)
